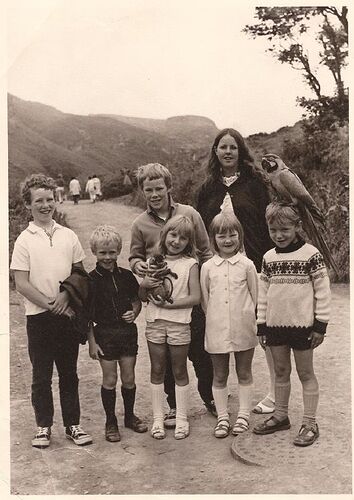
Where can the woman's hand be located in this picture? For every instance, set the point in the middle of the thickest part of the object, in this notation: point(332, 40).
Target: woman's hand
point(94, 350)
point(128, 316)
point(316, 339)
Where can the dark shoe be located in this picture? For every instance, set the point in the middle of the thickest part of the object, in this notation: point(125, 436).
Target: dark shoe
point(210, 406)
point(42, 438)
point(271, 425)
point(77, 435)
point(112, 433)
point(307, 435)
point(136, 424)
point(169, 420)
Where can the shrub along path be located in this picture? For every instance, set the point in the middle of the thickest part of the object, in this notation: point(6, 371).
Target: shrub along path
point(199, 464)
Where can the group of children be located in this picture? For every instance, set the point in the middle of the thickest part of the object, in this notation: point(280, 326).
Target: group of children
point(287, 307)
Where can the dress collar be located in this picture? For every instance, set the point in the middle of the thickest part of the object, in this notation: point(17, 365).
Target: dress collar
point(219, 260)
point(230, 180)
point(292, 247)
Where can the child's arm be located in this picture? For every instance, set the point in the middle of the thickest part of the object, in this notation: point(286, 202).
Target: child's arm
point(25, 288)
point(204, 285)
point(62, 300)
point(322, 299)
point(94, 348)
point(192, 299)
point(130, 316)
point(252, 282)
point(262, 304)
point(137, 258)
point(146, 285)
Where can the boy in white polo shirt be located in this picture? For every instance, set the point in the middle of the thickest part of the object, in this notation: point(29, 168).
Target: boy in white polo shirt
point(43, 256)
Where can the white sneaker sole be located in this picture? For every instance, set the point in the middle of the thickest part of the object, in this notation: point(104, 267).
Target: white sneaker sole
point(81, 441)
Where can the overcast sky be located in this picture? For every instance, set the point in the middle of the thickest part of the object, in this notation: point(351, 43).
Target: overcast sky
point(151, 58)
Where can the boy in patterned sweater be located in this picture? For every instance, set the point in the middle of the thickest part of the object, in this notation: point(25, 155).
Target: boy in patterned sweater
point(293, 313)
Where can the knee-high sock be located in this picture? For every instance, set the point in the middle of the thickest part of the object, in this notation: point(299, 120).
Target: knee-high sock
point(157, 402)
point(220, 400)
point(310, 399)
point(182, 393)
point(245, 394)
point(128, 396)
point(108, 397)
point(282, 395)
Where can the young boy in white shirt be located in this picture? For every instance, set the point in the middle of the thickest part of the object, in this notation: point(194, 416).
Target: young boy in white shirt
point(43, 256)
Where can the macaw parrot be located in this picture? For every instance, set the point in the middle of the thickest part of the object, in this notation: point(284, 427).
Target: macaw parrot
point(288, 187)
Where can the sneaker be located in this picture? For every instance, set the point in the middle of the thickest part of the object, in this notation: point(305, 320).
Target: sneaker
point(210, 406)
point(42, 438)
point(307, 435)
point(170, 419)
point(79, 436)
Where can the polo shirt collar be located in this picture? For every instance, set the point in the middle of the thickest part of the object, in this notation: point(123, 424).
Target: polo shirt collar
point(33, 228)
point(172, 208)
point(219, 260)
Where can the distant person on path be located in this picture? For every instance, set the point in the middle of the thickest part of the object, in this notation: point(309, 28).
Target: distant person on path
point(91, 189)
point(236, 186)
point(155, 182)
point(97, 184)
point(168, 323)
point(113, 339)
point(60, 188)
point(75, 189)
point(229, 299)
point(43, 256)
point(293, 313)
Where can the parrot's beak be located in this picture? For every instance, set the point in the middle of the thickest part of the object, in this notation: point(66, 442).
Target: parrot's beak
point(269, 165)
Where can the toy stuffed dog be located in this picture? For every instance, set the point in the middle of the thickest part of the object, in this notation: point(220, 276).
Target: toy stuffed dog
point(157, 268)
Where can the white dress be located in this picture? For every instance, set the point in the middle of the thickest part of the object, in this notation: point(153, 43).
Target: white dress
point(229, 298)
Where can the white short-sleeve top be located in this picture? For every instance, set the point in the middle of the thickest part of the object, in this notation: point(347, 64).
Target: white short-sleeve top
point(48, 261)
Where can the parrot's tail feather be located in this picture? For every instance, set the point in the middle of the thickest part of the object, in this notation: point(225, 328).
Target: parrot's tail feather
point(315, 235)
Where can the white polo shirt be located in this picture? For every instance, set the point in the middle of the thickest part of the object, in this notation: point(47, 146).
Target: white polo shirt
point(48, 261)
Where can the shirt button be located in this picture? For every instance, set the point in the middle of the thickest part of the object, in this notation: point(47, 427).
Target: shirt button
point(226, 302)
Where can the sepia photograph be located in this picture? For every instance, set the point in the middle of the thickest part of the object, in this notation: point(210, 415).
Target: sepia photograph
point(176, 310)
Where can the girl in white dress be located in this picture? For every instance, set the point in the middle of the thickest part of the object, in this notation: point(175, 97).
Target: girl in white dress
point(229, 298)
point(167, 324)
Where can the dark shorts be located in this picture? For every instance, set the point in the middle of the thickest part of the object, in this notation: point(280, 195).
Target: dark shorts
point(295, 338)
point(117, 342)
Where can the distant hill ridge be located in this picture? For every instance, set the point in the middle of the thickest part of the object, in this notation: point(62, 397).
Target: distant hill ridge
point(44, 139)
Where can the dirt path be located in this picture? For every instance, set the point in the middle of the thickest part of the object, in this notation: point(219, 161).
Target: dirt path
point(200, 464)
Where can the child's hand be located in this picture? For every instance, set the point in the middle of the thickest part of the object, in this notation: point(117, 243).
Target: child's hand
point(150, 282)
point(316, 339)
point(94, 350)
point(61, 302)
point(158, 301)
point(70, 313)
point(262, 341)
point(128, 316)
point(140, 268)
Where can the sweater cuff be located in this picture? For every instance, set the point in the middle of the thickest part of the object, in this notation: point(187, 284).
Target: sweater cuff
point(261, 329)
point(319, 327)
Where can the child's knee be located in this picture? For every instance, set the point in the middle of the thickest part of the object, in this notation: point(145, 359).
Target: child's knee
point(110, 380)
point(128, 379)
point(180, 373)
point(306, 375)
point(282, 372)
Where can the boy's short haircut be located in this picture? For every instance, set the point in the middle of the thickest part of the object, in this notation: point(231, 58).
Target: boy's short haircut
point(223, 223)
point(282, 213)
point(36, 181)
point(105, 234)
point(153, 171)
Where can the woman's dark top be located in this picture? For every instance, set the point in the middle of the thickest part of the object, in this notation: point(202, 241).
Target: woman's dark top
point(249, 198)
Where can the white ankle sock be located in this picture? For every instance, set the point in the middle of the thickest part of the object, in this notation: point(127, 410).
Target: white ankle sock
point(157, 402)
point(245, 394)
point(182, 393)
point(220, 400)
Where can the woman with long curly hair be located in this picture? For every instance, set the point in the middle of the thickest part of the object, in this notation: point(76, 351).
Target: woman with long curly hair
point(234, 184)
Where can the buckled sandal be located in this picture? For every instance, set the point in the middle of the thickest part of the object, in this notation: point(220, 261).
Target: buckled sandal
point(307, 435)
point(241, 425)
point(271, 425)
point(222, 428)
point(182, 430)
point(158, 432)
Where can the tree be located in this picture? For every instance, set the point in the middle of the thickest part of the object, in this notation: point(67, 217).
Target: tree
point(286, 29)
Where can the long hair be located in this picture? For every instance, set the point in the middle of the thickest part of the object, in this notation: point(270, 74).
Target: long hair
point(184, 226)
point(246, 162)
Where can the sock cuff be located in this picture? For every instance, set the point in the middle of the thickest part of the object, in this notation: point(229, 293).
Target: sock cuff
point(108, 390)
point(182, 388)
point(283, 384)
point(219, 389)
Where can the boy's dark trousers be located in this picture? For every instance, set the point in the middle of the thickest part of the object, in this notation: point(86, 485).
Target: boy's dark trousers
point(200, 358)
point(51, 340)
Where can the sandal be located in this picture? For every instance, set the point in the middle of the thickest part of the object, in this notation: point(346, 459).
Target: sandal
point(158, 432)
point(262, 408)
point(271, 425)
point(222, 428)
point(307, 435)
point(241, 425)
point(182, 430)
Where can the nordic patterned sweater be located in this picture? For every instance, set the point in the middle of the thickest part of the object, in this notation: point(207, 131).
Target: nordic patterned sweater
point(294, 290)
